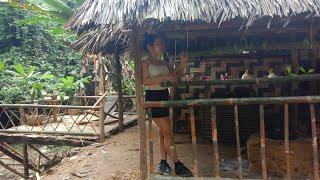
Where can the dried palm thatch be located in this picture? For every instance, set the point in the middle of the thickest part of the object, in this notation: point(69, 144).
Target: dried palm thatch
point(109, 18)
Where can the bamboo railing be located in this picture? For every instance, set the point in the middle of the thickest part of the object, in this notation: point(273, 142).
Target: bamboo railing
point(261, 101)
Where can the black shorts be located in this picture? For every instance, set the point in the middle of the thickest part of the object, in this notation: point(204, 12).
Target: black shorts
point(158, 95)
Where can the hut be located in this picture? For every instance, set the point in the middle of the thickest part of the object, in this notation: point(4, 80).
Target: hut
point(225, 40)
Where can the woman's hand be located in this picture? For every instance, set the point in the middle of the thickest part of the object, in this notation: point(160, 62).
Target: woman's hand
point(183, 58)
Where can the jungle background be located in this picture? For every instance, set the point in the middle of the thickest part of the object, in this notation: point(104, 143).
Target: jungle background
point(35, 55)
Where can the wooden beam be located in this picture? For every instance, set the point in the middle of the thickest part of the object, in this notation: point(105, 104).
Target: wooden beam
point(236, 125)
point(141, 111)
point(25, 161)
point(216, 158)
point(194, 143)
point(102, 115)
point(286, 139)
point(43, 140)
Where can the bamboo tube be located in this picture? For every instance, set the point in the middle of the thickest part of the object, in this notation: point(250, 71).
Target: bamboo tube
point(234, 101)
point(314, 142)
point(263, 143)
point(216, 159)
point(286, 139)
point(194, 143)
point(236, 122)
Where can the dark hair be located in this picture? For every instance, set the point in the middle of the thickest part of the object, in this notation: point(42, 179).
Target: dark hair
point(149, 40)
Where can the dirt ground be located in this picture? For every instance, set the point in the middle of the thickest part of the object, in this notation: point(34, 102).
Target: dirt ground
point(118, 159)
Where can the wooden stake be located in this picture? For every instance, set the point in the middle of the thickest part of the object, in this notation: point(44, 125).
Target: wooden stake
point(25, 161)
point(141, 111)
point(119, 88)
point(236, 122)
point(194, 142)
point(216, 158)
point(263, 142)
point(314, 142)
point(286, 139)
point(102, 117)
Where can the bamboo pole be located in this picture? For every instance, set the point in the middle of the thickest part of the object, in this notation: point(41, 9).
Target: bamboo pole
point(151, 161)
point(263, 143)
point(102, 115)
point(54, 101)
point(234, 101)
point(194, 143)
point(25, 161)
point(141, 111)
point(47, 106)
point(216, 158)
point(236, 122)
point(120, 94)
point(314, 142)
point(286, 139)
point(255, 81)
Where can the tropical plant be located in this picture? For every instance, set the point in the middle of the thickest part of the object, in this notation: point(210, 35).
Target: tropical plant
point(305, 72)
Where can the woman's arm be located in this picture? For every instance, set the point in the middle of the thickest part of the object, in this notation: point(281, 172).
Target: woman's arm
point(148, 81)
point(183, 61)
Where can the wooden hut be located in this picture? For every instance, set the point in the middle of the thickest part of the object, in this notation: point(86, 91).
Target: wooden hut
point(230, 36)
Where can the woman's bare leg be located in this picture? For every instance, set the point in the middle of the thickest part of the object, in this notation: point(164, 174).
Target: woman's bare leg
point(165, 131)
point(162, 148)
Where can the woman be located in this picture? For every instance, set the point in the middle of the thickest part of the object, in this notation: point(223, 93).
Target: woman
point(155, 72)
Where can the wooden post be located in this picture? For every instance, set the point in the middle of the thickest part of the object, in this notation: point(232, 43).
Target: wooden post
point(54, 101)
point(119, 88)
point(102, 115)
point(194, 142)
point(22, 115)
point(286, 139)
point(314, 142)
point(236, 122)
point(151, 162)
point(141, 111)
point(25, 161)
point(263, 143)
point(216, 159)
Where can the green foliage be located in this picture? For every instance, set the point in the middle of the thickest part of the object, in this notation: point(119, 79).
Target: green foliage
point(34, 50)
point(305, 72)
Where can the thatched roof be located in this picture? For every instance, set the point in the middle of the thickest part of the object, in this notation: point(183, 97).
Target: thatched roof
point(108, 18)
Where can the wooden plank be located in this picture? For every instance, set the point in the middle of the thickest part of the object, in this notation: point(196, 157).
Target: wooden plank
point(263, 143)
point(43, 140)
point(194, 143)
point(236, 123)
point(141, 111)
point(151, 161)
point(314, 142)
point(214, 132)
point(286, 139)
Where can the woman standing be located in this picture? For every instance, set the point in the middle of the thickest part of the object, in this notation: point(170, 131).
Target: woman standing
point(156, 71)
